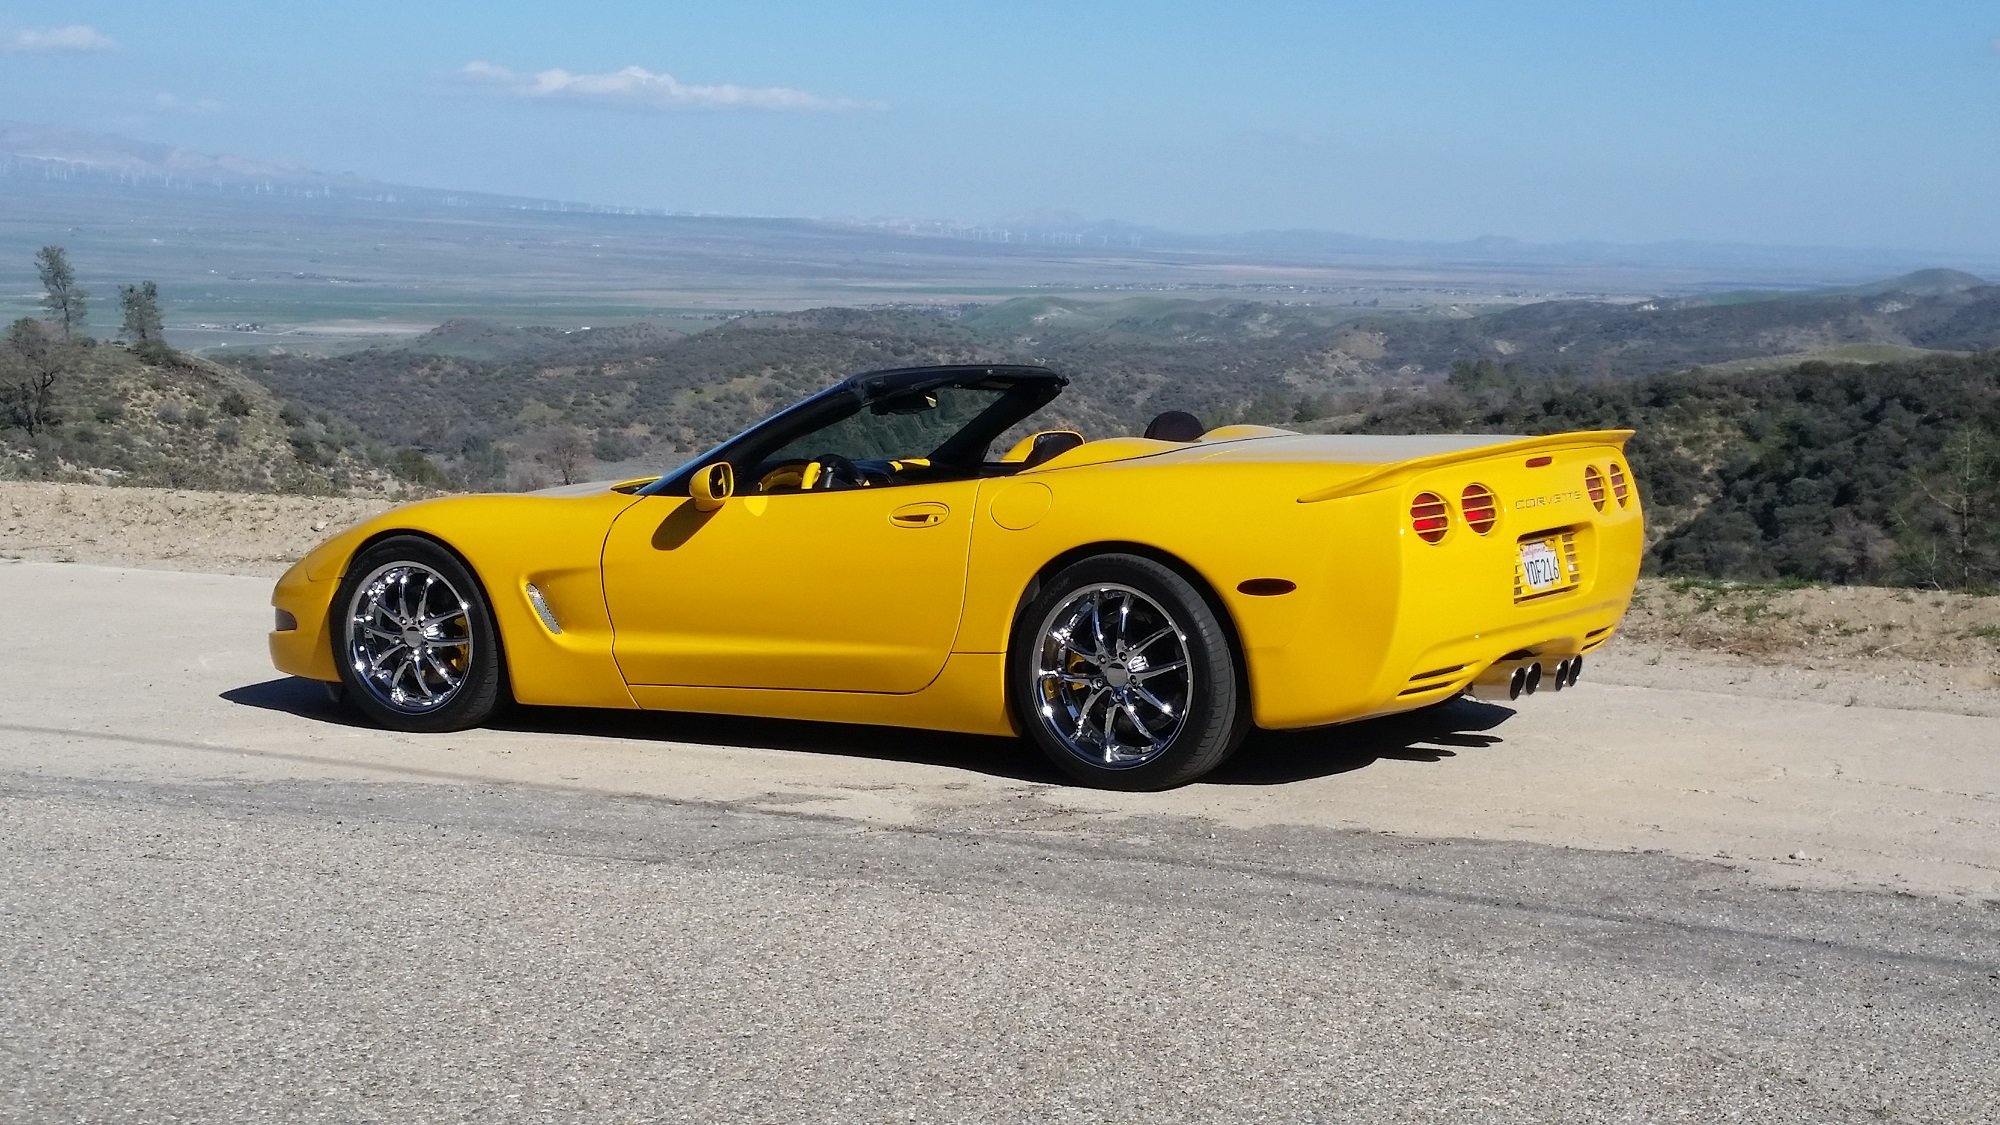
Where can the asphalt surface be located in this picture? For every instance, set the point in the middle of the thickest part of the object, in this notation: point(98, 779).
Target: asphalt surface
point(223, 902)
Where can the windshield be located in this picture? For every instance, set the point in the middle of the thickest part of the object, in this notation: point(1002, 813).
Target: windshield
point(902, 428)
point(898, 426)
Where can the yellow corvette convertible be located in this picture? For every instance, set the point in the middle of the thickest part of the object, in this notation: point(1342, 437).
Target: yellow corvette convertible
point(1132, 604)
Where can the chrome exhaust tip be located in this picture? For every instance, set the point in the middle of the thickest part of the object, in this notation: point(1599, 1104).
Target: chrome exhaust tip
point(1498, 688)
point(1506, 681)
point(1559, 679)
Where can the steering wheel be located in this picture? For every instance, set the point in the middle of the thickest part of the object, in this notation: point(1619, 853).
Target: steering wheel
point(836, 471)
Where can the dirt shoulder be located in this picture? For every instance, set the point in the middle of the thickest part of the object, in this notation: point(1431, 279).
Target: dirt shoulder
point(1842, 645)
point(169, 528)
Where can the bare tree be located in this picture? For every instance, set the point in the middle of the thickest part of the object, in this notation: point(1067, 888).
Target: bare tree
point(566, 450)
point(62, 296)
point(33, 364)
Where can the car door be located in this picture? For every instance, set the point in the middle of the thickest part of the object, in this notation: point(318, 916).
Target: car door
point(853, 590)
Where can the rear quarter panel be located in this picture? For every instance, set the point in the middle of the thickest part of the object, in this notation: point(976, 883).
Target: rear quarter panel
point(1229, 523)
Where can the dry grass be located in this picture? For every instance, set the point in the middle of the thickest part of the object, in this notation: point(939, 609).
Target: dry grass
point(1784, 623)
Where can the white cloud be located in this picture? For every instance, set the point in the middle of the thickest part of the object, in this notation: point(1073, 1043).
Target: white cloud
point(72, 39)
point(171, 103)
point(637, 86)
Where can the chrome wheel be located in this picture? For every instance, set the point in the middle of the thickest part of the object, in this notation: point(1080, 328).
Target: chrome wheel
point(1113, 676)
point(409, 637)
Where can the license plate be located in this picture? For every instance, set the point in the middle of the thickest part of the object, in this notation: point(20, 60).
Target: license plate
point(1541, 566)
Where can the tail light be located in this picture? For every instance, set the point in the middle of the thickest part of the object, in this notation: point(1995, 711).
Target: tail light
point(1620, 487)
point(1593, 483)
point(1479, 507)
point(1429, 517)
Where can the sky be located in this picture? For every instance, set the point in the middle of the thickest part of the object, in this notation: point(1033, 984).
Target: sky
point(1859, 123)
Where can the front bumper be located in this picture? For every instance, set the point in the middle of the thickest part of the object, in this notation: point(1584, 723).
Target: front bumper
point(305, 650)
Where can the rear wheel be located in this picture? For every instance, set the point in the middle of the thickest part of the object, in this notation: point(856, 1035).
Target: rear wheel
point(414, 638)
point(1124, 676)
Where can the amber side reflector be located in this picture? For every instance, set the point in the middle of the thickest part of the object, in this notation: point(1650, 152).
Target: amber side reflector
point(1620, 487)
point(1538, 462)
point(1593, 483)
point(1479, 507)
point(1266, 587)
point(1429, 517)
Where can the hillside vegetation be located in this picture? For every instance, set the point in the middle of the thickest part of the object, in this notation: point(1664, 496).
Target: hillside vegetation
point(491, 393)
point(111, 414)
point(1880, 474)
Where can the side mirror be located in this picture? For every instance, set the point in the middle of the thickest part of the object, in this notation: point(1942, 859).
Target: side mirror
point(712, 485)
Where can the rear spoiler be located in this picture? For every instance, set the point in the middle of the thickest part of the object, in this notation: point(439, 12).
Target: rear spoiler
point(1389, 474)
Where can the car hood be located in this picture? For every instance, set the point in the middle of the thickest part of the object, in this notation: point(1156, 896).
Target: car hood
point(593, 487)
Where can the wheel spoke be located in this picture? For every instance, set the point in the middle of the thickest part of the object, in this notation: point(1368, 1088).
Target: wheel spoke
point(1132, 713)
point(444, 671)
point(1119, 621)
point(416, 669)
point(1083, 713)
point(1150, 641)
point(1159, 670)
point(1151, 699)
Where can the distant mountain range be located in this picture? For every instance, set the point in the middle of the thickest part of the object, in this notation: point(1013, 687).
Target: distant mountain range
point(47, 154)
point(1724, 259)
point(52, 154)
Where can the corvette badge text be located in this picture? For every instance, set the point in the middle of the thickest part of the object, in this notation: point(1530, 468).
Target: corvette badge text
point(1545, 501)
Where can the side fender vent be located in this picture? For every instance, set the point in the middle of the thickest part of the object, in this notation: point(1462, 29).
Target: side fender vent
point(542, 610)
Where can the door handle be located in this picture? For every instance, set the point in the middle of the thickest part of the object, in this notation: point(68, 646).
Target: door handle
point(926, 514)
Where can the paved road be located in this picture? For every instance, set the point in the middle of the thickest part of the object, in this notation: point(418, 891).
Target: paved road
point(222, 902)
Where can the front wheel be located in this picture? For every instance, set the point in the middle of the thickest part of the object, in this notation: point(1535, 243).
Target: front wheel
point(414, 638)
point(1124, 676)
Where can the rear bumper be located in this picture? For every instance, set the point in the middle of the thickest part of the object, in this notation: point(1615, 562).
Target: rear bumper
point(1298, 687)
point(1453, 667)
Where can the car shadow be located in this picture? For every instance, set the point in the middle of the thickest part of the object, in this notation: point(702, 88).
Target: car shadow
point(1434, 734)
point(308, 699)
point(1000, 757)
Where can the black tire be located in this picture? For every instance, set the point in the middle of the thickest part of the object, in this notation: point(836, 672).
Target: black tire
point(1212, 704)
point(480, 665)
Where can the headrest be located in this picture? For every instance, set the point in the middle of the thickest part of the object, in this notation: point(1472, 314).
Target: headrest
point(1175, 425)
